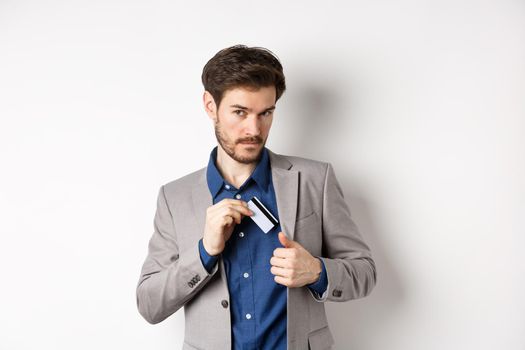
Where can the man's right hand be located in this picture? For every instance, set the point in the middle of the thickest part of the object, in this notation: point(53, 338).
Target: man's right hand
point(221, 218)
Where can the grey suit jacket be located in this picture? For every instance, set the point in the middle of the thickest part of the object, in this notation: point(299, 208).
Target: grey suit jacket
point(312, 211)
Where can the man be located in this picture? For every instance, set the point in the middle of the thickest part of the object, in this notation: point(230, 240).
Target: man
point(245, 285)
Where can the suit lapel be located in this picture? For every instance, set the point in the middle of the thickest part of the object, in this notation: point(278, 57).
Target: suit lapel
point(286, 186)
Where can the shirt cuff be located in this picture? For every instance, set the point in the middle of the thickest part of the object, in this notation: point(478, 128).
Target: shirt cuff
point(320, 285)
point(207, 260)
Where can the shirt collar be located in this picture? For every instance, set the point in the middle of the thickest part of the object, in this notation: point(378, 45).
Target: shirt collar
point(261, 173)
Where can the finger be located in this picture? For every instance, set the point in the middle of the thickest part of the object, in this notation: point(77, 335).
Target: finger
point(279, 262)
point(279, 271)
point(284, 240)
point(227, 202)
point(231, 201)
point(243, 210)
point(284, 252)
point(219, 216)
point(282, 280)
point(287, 242)
point(236, 204)
point(236, 215)
point(238, 207)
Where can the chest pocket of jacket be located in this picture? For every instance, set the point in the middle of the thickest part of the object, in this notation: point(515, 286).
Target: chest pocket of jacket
point(320, 339)
point(306, 220)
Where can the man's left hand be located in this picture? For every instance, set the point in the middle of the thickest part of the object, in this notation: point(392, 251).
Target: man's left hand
point(293, 266)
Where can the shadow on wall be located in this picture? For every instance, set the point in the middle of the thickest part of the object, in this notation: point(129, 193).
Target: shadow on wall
point(325, 118)
point(355, 321)
point(315, 118)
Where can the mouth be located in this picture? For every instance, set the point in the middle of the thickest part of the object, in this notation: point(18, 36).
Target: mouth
point(250, 146)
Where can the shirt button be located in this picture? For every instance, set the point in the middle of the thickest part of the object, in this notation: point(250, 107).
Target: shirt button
point(246, 275)
point(241, 234)
point(224, 303)
point(227, 187)
point(248, 316)
point(238, 196)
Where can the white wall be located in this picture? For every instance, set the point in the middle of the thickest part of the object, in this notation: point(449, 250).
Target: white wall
point(419, 105)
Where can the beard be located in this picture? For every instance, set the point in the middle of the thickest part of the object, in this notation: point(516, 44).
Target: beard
point(229, 145)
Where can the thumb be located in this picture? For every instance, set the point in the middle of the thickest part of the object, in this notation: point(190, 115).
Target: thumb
point(287, 243)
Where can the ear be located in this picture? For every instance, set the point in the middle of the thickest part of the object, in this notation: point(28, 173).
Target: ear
point(209, 105)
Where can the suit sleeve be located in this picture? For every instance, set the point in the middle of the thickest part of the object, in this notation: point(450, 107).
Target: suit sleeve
point(169, 278)
point(349, 265)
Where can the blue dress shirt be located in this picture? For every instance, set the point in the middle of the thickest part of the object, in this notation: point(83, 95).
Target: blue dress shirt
point(258, 303)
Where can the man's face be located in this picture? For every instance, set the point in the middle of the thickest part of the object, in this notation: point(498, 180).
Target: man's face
point(243, 121)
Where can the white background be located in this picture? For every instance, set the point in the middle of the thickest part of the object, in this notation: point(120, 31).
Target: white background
point(419, 105)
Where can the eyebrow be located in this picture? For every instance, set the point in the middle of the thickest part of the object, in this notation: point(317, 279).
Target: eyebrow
point(248, 109)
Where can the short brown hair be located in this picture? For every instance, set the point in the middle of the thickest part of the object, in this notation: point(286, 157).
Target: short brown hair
point(242, 66)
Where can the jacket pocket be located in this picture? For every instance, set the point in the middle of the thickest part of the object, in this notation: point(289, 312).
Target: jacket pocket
point(320, 339)
point(305, 220)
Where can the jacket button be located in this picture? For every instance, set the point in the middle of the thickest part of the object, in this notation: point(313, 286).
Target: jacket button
point(337, 293)
point(224, 303)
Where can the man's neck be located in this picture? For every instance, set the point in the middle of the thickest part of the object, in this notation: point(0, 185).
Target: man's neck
point(231, 170)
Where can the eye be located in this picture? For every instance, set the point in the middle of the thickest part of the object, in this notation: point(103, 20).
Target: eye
point(267, 113)
point(239, 112)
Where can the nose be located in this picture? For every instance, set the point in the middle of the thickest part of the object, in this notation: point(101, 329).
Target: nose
point(252, 126)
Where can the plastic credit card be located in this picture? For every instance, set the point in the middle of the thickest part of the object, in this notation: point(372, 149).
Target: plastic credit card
point(261, 216)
